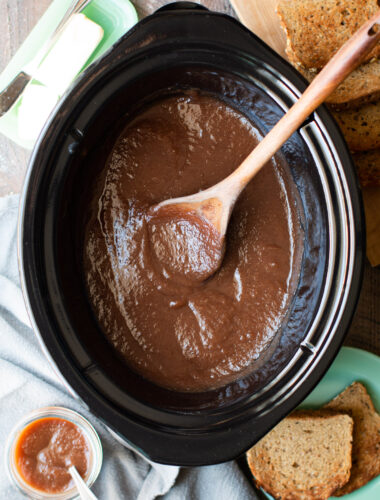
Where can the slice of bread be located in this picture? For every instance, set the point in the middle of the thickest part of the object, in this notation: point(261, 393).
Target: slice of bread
point(316, 29)
point(360, 127)
point(306, 456)
point(360, 87)
point(368, 167)
point(366, 439)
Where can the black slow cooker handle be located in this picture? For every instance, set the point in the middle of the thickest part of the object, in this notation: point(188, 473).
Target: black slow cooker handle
point(181, 6)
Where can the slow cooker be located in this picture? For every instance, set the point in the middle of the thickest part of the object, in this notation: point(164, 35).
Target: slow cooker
point(185, 46)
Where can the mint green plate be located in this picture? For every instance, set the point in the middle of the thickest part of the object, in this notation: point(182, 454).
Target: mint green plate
point(350, 365)
point(116, 17)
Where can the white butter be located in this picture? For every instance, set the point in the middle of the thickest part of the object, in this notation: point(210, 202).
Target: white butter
point(70, 52)
point(58, 69)
point(36, 105)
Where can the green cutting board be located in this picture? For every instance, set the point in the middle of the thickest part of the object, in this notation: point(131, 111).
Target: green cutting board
point(116, 17)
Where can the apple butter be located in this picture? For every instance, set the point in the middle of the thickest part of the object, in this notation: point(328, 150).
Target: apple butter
point(185, 245)
point(171, 325)
point(44, 451)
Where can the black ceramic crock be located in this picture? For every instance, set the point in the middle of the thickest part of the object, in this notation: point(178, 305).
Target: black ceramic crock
point(186, 46)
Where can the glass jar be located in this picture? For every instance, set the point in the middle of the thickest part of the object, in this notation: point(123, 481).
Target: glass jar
point(92, 438)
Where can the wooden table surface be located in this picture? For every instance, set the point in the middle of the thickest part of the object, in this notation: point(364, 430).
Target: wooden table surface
point(17, 18)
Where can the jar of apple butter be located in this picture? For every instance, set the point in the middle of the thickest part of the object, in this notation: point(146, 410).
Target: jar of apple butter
point(42, 447)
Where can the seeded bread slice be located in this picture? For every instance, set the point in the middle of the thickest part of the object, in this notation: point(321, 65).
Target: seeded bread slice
point(360, 87)
point(316, 29)
point(366, 438)
point(361, 127)
point(307, 456)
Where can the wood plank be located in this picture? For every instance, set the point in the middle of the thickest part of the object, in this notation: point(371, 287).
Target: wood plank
point(17, 19)
point(371, 198)
point(260, 17)
point(144, 8)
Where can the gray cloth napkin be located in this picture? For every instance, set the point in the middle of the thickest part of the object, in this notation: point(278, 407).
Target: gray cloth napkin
point(28, 382)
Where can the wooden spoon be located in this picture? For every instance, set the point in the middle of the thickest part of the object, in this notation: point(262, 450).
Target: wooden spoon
point(214, 205)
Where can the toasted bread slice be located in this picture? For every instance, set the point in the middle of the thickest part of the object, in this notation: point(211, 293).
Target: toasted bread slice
point(355, 103)
point(360, 87)
point(368, 167)
point(366, 438)
point(361, 127)
point(316, 29)
point(306, 456)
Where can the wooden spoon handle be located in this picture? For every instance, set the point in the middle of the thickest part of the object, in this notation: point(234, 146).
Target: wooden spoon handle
point(341, 65)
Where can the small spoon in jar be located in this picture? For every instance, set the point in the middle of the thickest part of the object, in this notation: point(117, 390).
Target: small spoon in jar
point(189, 232)
point(84, 491)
